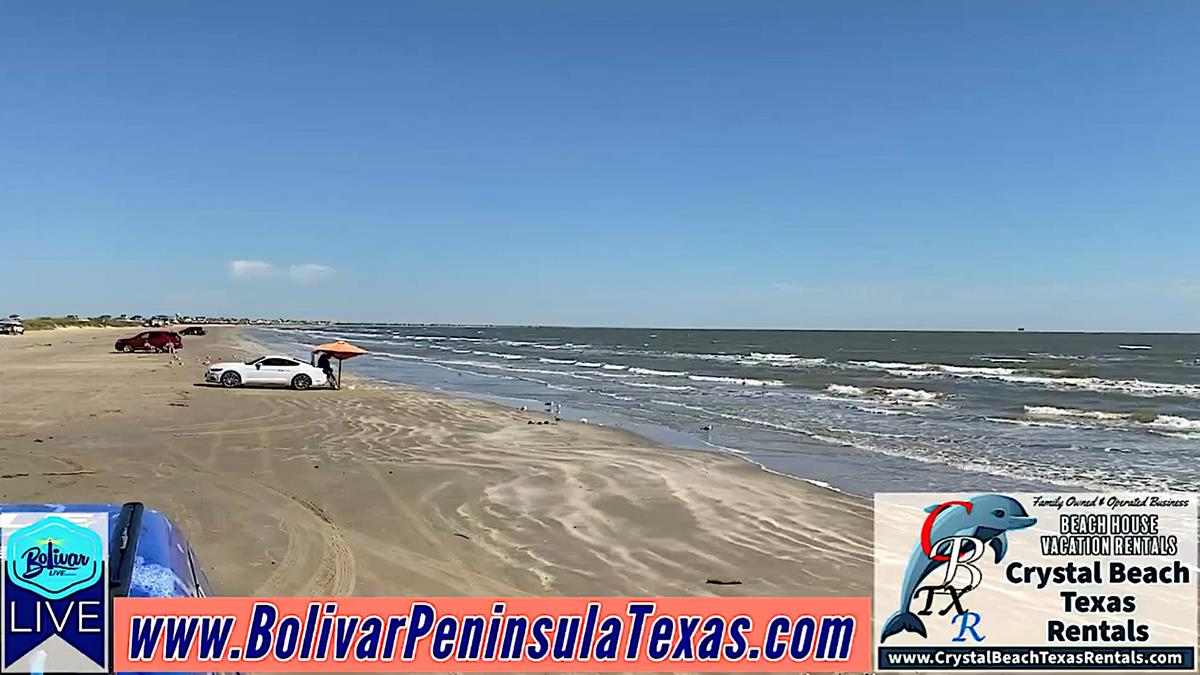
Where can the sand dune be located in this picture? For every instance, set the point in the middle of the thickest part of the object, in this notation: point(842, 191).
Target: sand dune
point(392, 491)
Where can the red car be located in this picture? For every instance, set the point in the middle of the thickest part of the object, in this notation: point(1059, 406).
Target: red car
point(151, 340)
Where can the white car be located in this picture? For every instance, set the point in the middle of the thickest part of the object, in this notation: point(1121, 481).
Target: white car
point(266, 370)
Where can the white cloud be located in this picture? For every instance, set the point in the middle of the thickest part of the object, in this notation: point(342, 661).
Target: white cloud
point(250, 269)
point(308, 273)
point(785, 288)
point(303, 273)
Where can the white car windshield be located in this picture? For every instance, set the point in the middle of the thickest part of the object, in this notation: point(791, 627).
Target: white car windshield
point(253, 361)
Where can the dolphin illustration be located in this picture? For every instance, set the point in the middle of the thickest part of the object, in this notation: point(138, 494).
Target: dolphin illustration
point(988, 519)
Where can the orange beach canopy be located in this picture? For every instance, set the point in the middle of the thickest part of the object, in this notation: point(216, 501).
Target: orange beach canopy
point(340, 350)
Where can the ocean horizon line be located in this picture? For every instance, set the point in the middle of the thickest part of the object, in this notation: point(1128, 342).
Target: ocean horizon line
point(973, 331)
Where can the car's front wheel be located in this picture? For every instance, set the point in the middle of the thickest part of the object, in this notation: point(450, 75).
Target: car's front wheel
point(231, 379)
point(301, 382)
point(128, 349)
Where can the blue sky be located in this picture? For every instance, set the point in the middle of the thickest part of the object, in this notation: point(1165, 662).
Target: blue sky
point(934, 165)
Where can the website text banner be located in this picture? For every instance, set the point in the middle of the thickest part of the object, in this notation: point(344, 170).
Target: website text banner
point(1035, 581)
point(491, 634)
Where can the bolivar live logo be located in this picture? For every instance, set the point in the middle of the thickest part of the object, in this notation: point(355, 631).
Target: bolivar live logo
point(55, 592)
point(954, 537)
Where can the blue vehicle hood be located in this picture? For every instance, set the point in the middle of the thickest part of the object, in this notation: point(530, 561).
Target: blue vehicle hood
point(163, 563)
point(160, 562)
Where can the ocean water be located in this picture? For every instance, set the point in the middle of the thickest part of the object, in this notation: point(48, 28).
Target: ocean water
point(856, 411)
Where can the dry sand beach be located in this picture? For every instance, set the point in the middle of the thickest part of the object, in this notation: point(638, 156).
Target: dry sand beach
point(380, 490)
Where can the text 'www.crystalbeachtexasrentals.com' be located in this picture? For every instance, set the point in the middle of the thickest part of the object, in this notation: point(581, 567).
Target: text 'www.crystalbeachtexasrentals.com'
point(491, 634)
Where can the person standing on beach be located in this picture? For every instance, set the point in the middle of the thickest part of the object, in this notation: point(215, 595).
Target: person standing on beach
point(324, 365)
point(175, 358)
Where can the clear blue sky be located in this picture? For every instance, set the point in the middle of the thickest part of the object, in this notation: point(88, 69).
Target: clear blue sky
point(760, 164)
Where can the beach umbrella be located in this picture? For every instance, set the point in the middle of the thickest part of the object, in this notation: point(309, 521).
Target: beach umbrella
point(340, 350)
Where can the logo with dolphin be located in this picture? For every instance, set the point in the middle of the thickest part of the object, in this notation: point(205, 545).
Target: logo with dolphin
point(954, 536)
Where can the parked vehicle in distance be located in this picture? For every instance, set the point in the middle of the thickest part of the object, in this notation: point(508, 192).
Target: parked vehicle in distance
point(266, 370)
point(151, 340)
point(194, 330)
point(11, 327)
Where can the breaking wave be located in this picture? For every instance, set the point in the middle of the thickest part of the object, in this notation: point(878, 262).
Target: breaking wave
point(743, 381)
point(913, 396)
point(660, 373)
point(651, 385)
point(1144, 419)
point(1141, 388)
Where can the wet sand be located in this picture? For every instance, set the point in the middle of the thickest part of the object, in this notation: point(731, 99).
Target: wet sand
point(380, 490)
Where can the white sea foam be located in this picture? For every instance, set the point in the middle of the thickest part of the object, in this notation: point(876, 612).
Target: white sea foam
point(547, 360)
point(1162, 422)
point(676, 404)
point(403, 357)
point(743, 381)
point(782, 360)
point(873, 434)
point(1032, 423)
point(752, 359)
point(1132, 387)
point(609, 394)
point(1134, 347)
point(1051, 411)
point(613, 366)
point(1177, 434)
point(499, 355)
point(882, 411)
point(438, 338)
point(565, 345)
point(705, 357)
point(651, 385)
point(818, 483)
point(659, 373)
point(588, 364)
point(1175, 422)
point(912, 396)
point(1058, 357)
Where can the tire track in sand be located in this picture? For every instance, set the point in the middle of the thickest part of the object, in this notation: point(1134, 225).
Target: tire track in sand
point(305, 525)
point(335, 573)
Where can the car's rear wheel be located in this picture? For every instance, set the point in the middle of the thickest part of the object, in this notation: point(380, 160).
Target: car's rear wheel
point(301, 382)
point(128, 349)
point(231, 379)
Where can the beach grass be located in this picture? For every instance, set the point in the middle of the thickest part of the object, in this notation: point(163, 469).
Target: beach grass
point(52, 322)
